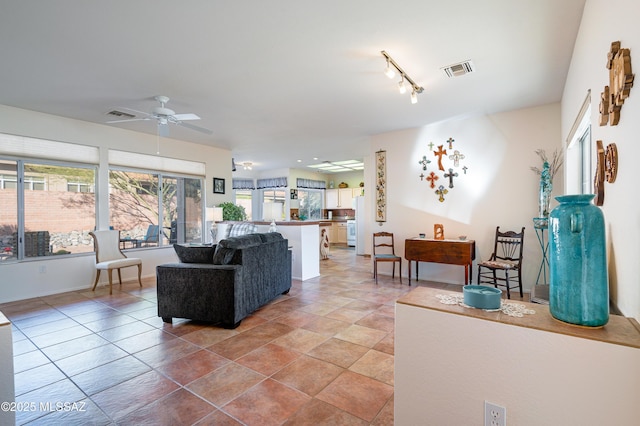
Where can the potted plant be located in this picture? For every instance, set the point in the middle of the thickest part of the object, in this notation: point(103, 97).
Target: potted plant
point(233, 212)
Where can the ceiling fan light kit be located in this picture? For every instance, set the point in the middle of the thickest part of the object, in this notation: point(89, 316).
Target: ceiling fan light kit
point(389, 72)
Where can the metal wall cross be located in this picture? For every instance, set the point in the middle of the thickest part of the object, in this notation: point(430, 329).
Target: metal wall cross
point(432, 178)
point(441, 191)
point(450, 141)
point(450, 175)
point(456, 157)
point(424, 162)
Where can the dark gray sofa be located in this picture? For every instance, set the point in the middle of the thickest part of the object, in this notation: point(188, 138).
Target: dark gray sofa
point(228, 281)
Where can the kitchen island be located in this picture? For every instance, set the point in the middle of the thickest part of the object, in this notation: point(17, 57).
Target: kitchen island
point(304, 243)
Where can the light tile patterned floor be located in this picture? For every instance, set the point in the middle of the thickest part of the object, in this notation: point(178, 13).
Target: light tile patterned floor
point(323, 354)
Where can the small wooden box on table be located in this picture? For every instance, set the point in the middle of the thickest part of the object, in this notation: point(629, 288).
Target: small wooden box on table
point(452, 252)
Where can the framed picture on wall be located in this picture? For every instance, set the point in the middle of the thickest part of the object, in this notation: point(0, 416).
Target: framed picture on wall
point(218, 186)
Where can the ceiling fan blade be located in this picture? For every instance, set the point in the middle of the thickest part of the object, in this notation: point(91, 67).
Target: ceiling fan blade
point(128, 120)
point(196, 128)
point(183, 117)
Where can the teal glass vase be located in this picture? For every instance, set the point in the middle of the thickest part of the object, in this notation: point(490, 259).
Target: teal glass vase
point(578, 284)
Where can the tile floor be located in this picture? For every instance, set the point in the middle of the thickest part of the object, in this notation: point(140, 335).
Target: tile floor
point(321, 355)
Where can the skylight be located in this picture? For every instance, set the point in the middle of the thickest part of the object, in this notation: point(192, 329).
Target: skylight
point(338, 166)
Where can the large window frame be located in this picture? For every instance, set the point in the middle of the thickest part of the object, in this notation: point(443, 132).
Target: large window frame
point(172, 195)
point(40, 230)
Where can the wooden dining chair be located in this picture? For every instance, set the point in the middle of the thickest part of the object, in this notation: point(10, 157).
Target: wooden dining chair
point(109, 256)
point(504, 267)
point(384, 251)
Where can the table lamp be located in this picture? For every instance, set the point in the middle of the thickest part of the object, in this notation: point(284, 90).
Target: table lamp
point(272, 211)
point(214, 214)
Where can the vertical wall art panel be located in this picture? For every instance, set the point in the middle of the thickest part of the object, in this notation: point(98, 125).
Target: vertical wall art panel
point(381, 186)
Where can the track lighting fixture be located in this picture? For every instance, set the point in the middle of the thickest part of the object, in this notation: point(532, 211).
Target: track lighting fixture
point(389, 72)
point(247, 165)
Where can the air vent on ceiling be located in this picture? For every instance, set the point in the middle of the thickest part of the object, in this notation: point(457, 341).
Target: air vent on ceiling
point(120, 114)
point(456, 70)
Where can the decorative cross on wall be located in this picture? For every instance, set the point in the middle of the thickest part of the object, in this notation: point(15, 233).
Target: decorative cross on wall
point(441, 191)
point(421, 176)
point(430, 146)
point(450, 175)
point(465, 168)
point(424, 162)
point(450, 141)
point(456, 157)
point(439, 153)
point(432, 178)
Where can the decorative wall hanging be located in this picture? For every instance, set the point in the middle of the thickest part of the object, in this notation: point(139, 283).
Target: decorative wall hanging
point(432, 178)
point(424, 162)
point(451, 175)
point(381, 186)
point(441, 191)
point(439, 153)
point(445, 168)
point(606, 169)
point(620, 83)
point(438, 231)
point(611, 163)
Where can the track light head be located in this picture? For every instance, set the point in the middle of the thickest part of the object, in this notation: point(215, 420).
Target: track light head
point(414, 97)
point(389, 71)
point(402, 88)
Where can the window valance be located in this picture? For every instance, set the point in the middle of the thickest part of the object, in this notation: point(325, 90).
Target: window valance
point(310, 183)
point(238, 183)
point(272, 183)
point(155, 162)
point(23, 146)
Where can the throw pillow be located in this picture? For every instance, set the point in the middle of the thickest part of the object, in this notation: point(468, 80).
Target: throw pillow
point(194, 254)
point(242, 228)
point(223, 255)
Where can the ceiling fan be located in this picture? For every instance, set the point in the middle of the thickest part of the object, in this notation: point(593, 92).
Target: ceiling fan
point(164, 116)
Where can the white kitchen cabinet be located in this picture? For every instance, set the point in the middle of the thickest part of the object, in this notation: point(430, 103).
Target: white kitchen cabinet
point(331, 199)
point(340, 232)
point(339, 198)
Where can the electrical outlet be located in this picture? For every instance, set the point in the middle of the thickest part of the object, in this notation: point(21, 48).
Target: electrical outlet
point(494, 415)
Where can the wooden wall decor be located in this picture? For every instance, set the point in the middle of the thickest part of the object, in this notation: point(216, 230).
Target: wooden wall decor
point(606, 169)
point(611, 163)
point(620, 83)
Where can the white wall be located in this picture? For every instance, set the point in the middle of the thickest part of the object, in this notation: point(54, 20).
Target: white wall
point(43, 276)
point(499, 188)
point(602, 23)
point(447, 364)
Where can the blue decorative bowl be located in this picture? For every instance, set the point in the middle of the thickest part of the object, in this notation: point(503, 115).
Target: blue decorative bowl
point(482, 297)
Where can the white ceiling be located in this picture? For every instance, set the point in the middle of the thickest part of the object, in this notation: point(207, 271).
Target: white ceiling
point(283, 80)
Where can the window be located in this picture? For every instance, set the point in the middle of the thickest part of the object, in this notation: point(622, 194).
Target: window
point(579, 170)
point(310, 203)
point(243, 198)
point(154, 209)
point(38, 215)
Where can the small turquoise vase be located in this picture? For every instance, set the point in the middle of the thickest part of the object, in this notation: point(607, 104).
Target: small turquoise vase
point(578, 286)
